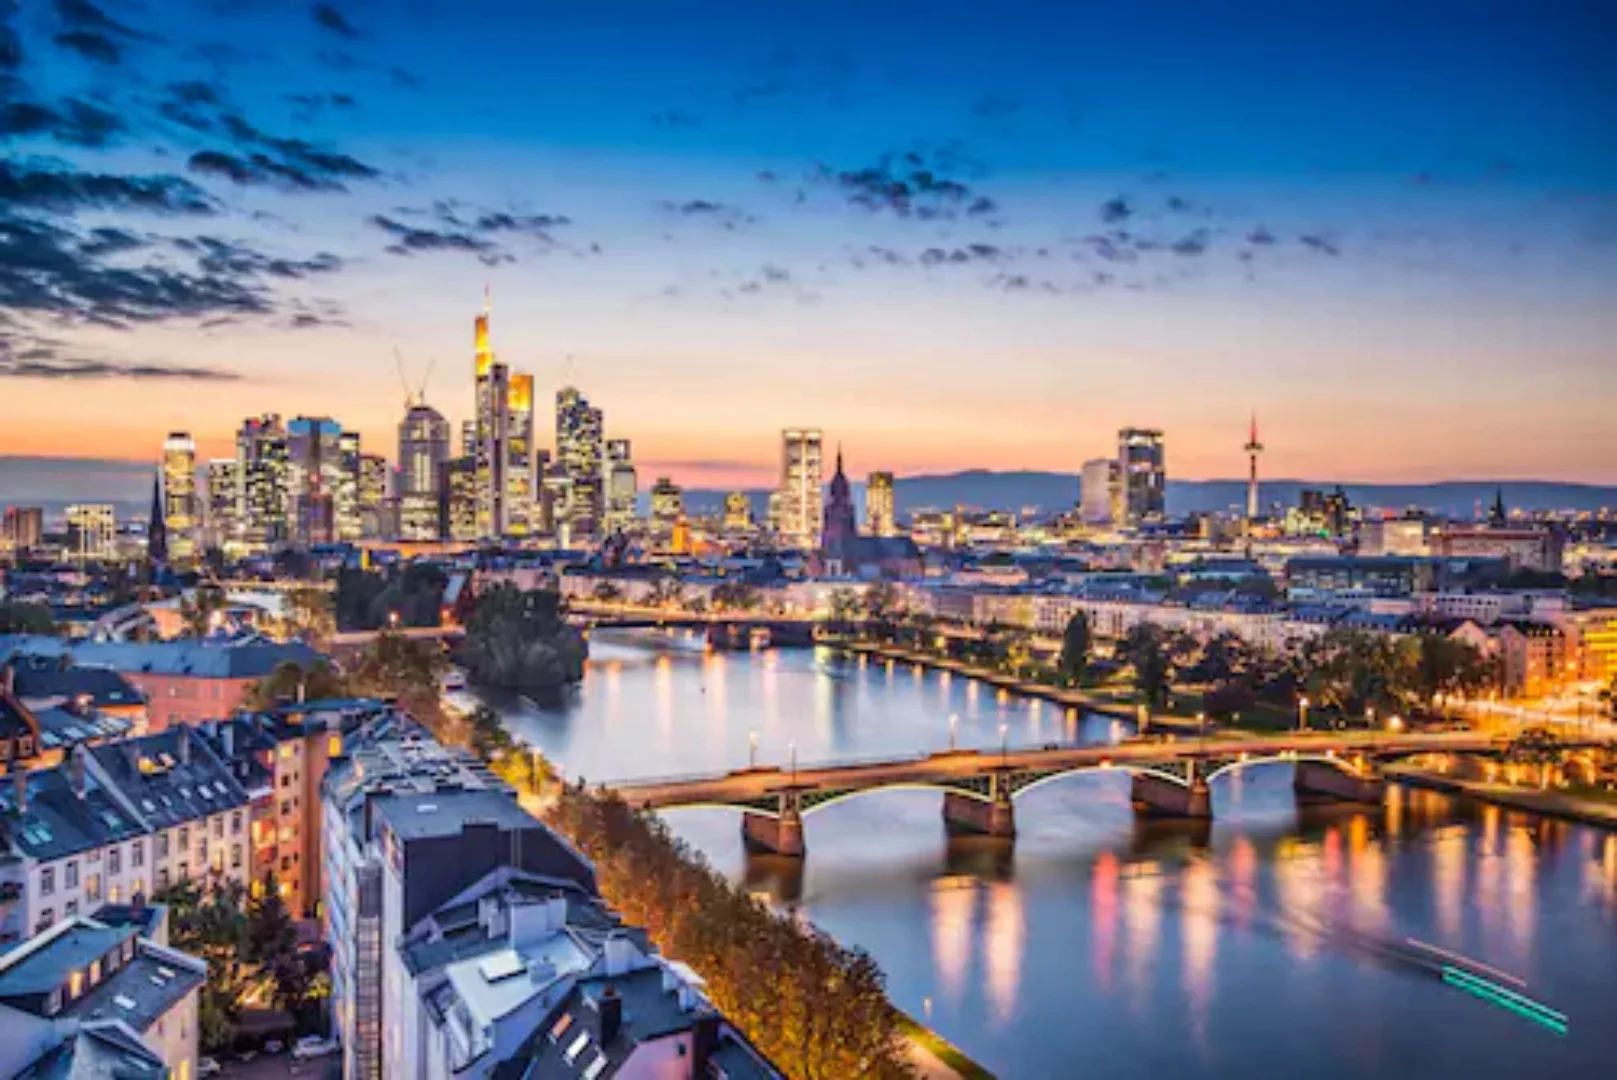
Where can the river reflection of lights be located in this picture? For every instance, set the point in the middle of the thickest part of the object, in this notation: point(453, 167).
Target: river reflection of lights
point(1300, 881)
point(1002, 947)
point(1521, 864)
point(1367, 877)
point(1448, 880)
point(954, 908)
point(663, 690)
point(1198, 932)
point(1142, 926)
point(1103, 889)
point(1243, 862)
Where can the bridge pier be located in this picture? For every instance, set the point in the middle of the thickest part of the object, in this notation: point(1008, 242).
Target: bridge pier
point(1364, 784)
point(1161, 797)
point(989, 817)
point(776, 834)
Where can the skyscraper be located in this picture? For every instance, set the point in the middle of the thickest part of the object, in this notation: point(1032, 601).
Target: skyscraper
point(92, 531)
point(1098, 492)
point(346, 509)
point(457, 500)
point(423, 450)
point(519, 488)
point(622, 486)
point(314, 472)
point(1253, 448)
point(490, 425)
point(580, 453)
point(667, 505)
point(737, 512)
point(24, 528)
point(221, 523)
point(801, 500)
point(880, 518)
point(377, 508)
point(263, 494)
point(1144, 477)
point(180, 496)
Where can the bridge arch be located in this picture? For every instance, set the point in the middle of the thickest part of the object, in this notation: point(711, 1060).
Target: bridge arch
point(1290, 757)
point(1127, 769)
point(854, 793)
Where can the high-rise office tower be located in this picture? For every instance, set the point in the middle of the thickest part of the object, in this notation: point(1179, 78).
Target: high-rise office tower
point(315, 454)
point(737, 512)
point(423, 449)
point(519, 487)
point(580, 453)
point(1098, 491)
point(222, 476)
point(880, 518)
point(1144, 472)
point(490, 420)
point(801, 498)
point(92, 531)
point(556, 504)
point(468, 440)
point(346, 507)
point(457, 500)
point(180, 496)
point(263, 492)
point(667, 507)
point(377, 507)
point(622, 486)
point(24, 528)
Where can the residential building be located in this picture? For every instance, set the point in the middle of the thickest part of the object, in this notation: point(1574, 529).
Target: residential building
point(1393, 536)
point(801, 505)
point(92, 532)
point(1143, 474)
point(1099, 492)
point(880, 517)
point(127, 998)
point(1532, 658)
point(423, 453)
point(1534, 548)
point(180, 512)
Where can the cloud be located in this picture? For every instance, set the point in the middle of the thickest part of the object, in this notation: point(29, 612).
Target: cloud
point(723, 214)
point(1194, 244)
point(265, 159)
point(1115, 210)
point(329, 18)
point(218, 256)
point(73, 123)
point(912, 184)
point(676, 120)
point(1319, 244)
point(83, 15)
point(1260, 236)
point(408, 240)
point(936, 256)
point(49, 363)
point(25, 185)
point(90, 45)
point(311, 105)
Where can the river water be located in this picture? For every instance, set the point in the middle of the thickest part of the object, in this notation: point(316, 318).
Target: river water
point(1100, 945)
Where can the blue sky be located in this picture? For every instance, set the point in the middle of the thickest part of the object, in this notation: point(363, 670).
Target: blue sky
point(1391, 229)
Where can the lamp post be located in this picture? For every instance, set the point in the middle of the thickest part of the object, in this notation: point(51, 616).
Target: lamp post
point(1004, 743)
point(954, 728)
point(752, 749)
point(793, 751)
point(1302, 714)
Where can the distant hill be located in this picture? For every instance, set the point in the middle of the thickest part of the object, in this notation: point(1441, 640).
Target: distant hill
point(1053, 491)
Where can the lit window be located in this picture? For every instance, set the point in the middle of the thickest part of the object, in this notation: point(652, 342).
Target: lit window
point(95, 972)
point(75, 983)
point(73, 874)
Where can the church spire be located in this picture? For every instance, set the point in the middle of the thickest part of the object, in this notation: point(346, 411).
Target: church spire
point(156, 528)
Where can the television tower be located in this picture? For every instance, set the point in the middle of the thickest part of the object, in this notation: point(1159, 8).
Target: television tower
point(1253, 448)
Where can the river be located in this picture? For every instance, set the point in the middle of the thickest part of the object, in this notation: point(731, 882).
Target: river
point(1100, 945)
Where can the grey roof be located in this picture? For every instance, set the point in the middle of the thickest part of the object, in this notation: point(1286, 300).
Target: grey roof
point(61, 727)
point(416, 816)
point(39, 677)
point(139, 992)
point(145, 919)
point(170, 782)
point(100, 1051)
point(206, 659)
point(38, 968)
point(59, 822)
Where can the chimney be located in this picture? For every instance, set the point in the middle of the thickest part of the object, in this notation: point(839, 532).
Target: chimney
point(75, 768)
point(610, 1006)
point(184, 740)
point(227, 739)
point(620, 953)
point(19, 790)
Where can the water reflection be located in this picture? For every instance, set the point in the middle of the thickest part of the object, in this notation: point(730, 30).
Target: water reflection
point(954, 903)
point(1002, 948)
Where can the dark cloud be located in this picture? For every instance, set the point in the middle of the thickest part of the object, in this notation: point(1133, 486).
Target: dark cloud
point(1319, 244)
point(775, 273)
point(532, 224)
point(1115, 210)
point(311, 105)
point(329, 18)
point(110, 241)
point(1194, 244)
point(51, 363)
point(452, 218)
point(10, 49)
point(765, 176)
point(723, 214)
point(74, 122)
point(981, 205)
point(83, 15)
point(912, 184)
point(91, 46)
point(1260, 236)
point(218, 256)
point(25, 185)
point(407, 240)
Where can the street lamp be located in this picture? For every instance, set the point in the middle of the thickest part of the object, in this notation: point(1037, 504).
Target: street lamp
point(1302, 714)
point(752, 749)
point(1004, 744)
point(792, 749)
point(954, 728)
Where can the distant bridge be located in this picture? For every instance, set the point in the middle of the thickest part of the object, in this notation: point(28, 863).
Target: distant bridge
point(978, 786)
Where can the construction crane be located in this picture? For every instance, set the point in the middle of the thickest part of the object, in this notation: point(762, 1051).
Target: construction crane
point(419, 395)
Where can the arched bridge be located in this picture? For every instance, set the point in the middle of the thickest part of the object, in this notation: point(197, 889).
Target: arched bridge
point(979, 786)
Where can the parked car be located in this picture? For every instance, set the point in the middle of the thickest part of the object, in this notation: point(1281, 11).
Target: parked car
point(313, 1046)
point(207, 1067)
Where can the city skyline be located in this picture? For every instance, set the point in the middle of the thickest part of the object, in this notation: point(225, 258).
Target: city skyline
point(1409, 282)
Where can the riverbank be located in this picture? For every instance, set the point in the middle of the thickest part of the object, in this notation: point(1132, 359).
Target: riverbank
point(1550, 803)
point(936, 1058)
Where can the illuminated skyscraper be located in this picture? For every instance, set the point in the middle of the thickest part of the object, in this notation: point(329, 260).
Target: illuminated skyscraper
point(622, 486)
point(458, 504)
point(315, 456)
point(1144, 472)
point(423, 449)
point(737, 512)
point(263, 493)
point(519, 488)
point(24, 528)
point(344, 485)
point(1098, 492)
point(490, 425)
point(377, 516)
point(667, 506)
point(880, 519)
point(801, 498)
point(221, 522)
point(92, 532)
point(180, 496)
point(580, 454)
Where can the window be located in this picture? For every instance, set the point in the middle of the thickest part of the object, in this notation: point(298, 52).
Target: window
point(25, 746)
point(235, 823)
point(47, 881)
point(185, 837)
point(46, 917)
point(162, 845)
point(75, 985)
point(95, 972)
point(162, 878)
point(286, 807)
point(115, 861)
point(53, 1004)
point(72, 881)
point(286, 779)
point(218, 859)
point(92, 887)
point(235, 856)
point(137, 854)
point(70, 909)
point(183, 871)
point(219, 827)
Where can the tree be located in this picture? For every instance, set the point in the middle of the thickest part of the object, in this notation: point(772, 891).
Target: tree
point(734, 596)
point(310, 614)
point(291, 681)
point(212, 925)
point(489, 737)
point(521, 640)
point(1075, 648)
point(20, 617)
point(1146, 649)
point(845, 609)
point(406, 668)
point(607, 592)
point(198, 609)
point(270, 931)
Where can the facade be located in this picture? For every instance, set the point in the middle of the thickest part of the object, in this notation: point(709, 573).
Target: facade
point(801, 506)
point(128, 999)
point(880, 516)
point(580, 453)
point(488, 434)
point(264, 495)
point(423, 451)
point(1144, 475)
point(1099, 492)
point(844, 552)
point(622, 486)
point(1398, 536)
point(376, 505)
point(24, 528)
point(347, 521)
point(220, 525)
point(1532, 658)
point(181, 519)
point(737, 512)
point(519, 456)
point(314, 473)
point(458, 500)
point(667, 507)
point(1523, 548)
point(92, 531)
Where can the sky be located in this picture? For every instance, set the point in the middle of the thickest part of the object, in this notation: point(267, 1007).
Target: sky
point(950, 235)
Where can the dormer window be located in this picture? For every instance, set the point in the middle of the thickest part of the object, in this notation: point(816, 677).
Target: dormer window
point(75, 985)
point(53, 1004)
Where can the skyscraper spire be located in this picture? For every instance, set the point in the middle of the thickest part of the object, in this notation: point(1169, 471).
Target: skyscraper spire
point(1253, 449)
